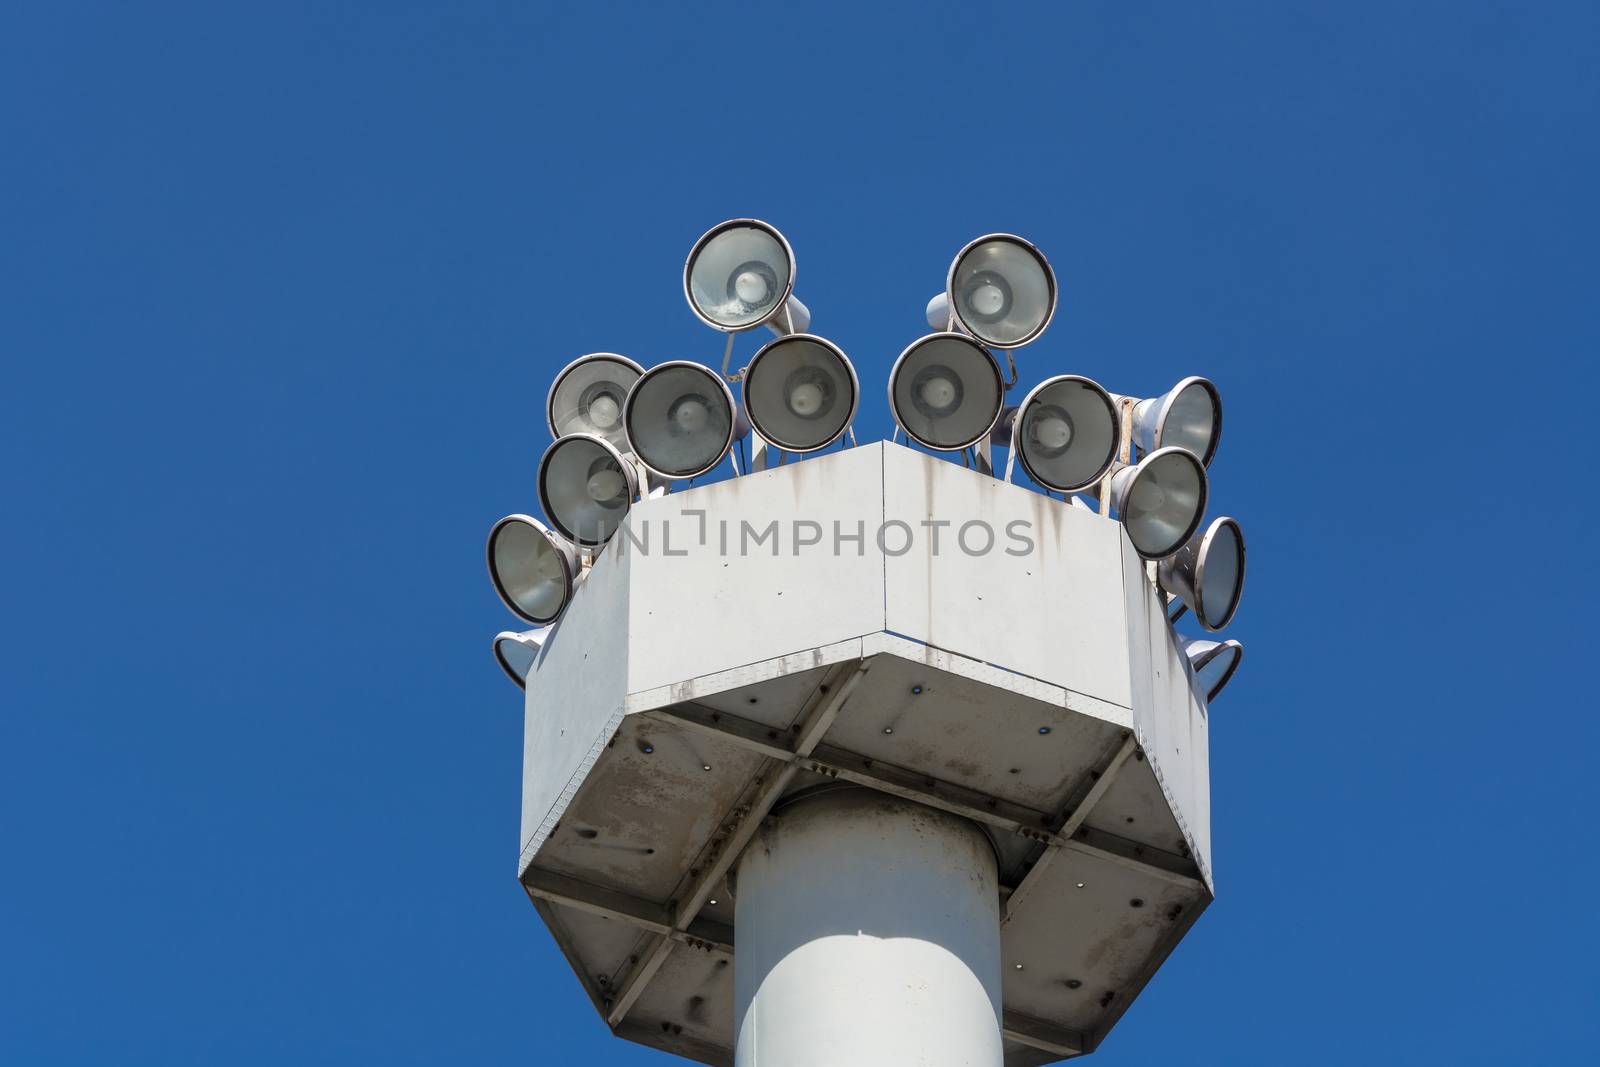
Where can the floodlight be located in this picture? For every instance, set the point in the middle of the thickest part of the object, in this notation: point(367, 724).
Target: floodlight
point(1064, 432)
point(533, 570)
point(1160, 500)
point(1213, 662)
point(588, 395)
point(801, 392)
point(1207, 574)
point(586, 488)
point(680, 419)
point(740, 275)
point(1001, 290)
point(516, 652)
point(1189, 415)
point(945, 391)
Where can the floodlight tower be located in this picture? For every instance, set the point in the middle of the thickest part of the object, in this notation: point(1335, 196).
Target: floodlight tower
point(871, 758)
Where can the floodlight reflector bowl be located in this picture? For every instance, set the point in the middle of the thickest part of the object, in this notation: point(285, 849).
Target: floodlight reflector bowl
point(1214, 663)
point(1207, 573)
point(946, 392)
point(1002, 290)
point(680, 419)
point(1160, 500)
point(1065, 433)
point(1188, 416)
point(533, 570)
point(739, 274)
point(586, 487)
point(588, 395)
point(801, 392)
point(516, 653)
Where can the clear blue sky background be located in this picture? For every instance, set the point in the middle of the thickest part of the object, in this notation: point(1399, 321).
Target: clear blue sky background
point(282, 287)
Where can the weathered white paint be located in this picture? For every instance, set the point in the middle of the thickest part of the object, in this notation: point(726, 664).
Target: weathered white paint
point(868, 935)
point(755, 588)
point(1170, 718)
point(1044, 600)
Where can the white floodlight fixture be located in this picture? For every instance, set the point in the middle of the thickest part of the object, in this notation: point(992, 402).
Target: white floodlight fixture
point(1189, 415)
point(1064, 432)
point(515, 652)
point(1214, 663)
point(946, 392)
point(586, 487)
point(1207, 573)
point(681, 420)
point(740, 275)
point(801, 393)
point(1000, 290)
point(1160, 500)
point(588, 395)
point(533, 570)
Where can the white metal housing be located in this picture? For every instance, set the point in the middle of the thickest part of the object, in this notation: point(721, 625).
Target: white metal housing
point(1038, 695)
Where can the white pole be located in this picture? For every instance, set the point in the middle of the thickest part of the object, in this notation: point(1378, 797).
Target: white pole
point(869, 935)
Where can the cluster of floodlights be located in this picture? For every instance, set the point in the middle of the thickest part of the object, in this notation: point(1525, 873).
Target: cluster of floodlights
point(622, 432)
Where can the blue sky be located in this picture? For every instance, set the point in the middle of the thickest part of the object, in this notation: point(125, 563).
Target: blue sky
point(283, 289)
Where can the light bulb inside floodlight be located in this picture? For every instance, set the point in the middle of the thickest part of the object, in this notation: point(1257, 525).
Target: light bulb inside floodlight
point(1187, 416)
point(1214, 663)
point(1000, 289)
point(740, 275)
point(1065, 433)
point(801, 392)
point(588, 395)
point(516, 653)
point(1207, 574)
point(680, 419)
point(586, 488)
point(532, 569)
point(946, 392)
point(1160, 501)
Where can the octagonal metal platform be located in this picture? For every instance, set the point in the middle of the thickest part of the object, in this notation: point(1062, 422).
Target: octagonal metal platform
point(696, 681)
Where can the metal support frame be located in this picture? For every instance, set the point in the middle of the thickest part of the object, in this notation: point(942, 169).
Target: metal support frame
point(713, 865)
point(546, 888)
point(1071, 823)
point(1067, 834)
point(667, 926)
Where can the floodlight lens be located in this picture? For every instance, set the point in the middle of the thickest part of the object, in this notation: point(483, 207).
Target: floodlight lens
point(586, 488)
point(1002, 290)
point(946, 392)
point(679, 419)
point(1191, 418)
point(1066, 433)
point(937, 391)
point(739, 274)
point(518, 657)
point(1213, 662)
point(801, 392)
point(1222, 571)
point(531, 571)
point(1050, 430)
point(517, 652)
point(588, 394)
point(1161, 501)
